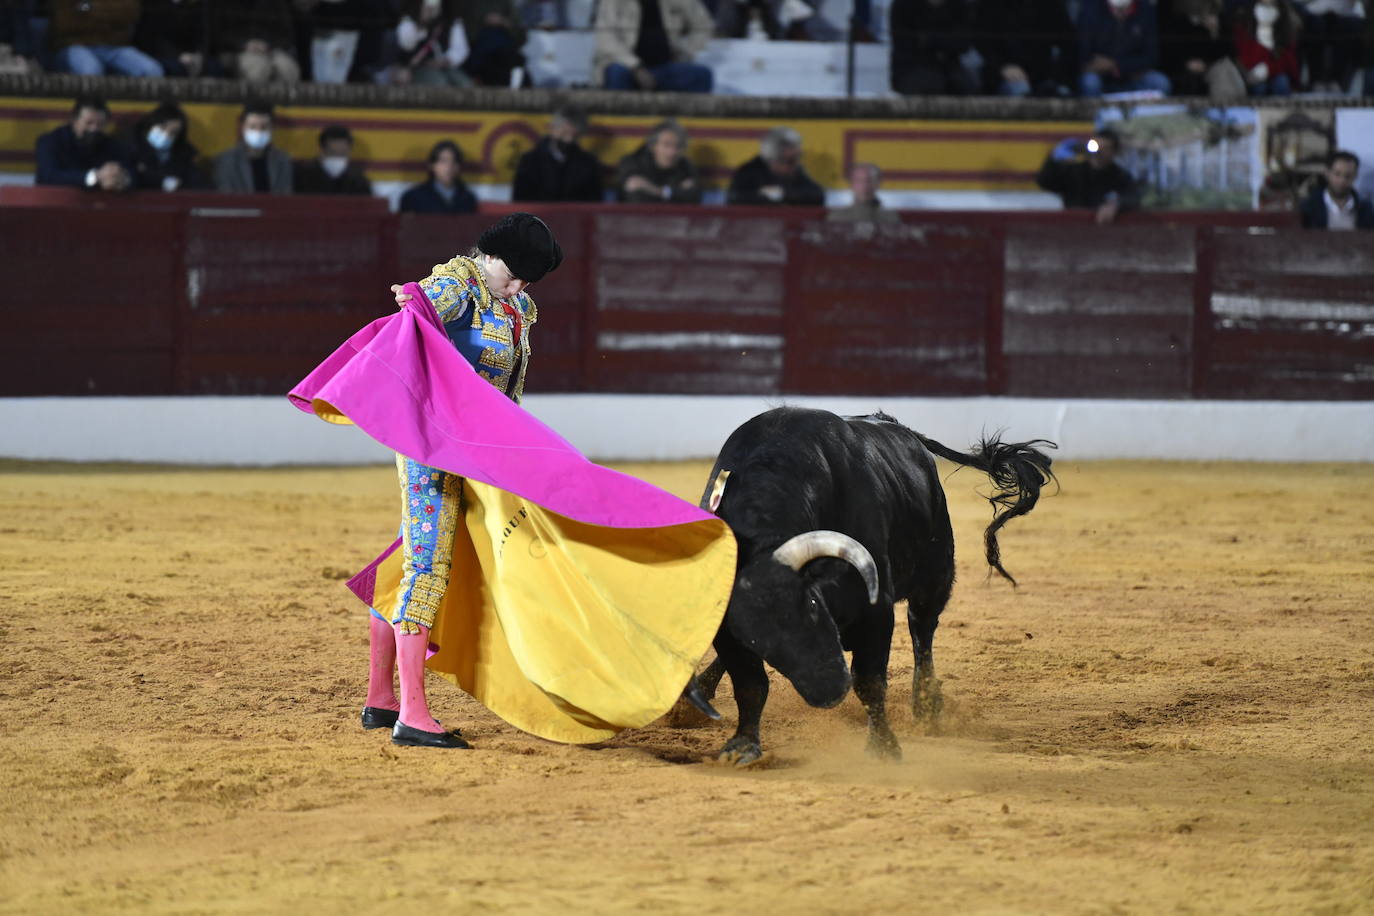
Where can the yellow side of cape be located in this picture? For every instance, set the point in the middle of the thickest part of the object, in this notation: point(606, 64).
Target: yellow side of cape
point(571, 631)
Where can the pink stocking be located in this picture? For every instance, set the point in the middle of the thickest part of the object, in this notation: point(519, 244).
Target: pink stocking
point(411, 651)
point(381, 692)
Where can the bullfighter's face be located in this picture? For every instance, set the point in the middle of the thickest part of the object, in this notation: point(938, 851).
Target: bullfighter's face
point(780, 615)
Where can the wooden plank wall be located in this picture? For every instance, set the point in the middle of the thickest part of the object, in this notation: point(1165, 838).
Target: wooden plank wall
point(108, 299)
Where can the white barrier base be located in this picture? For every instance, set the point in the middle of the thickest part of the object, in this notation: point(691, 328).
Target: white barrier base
point(269, 431)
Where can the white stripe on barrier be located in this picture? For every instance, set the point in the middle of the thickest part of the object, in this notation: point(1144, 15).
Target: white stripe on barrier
point(269, 431)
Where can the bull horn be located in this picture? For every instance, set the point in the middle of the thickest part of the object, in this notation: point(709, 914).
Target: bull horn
point(813, 545)
point(692, 693)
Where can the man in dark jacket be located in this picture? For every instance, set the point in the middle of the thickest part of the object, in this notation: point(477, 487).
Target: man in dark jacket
point(333, 171)
point(1086, 176)
point(1118, 47)
point(930, 41)
point(1334, 205)
point(557, 168)
point(445, 191)
point(80, 154)
point(1029, 47)
point(776, 175)
point(659, 172)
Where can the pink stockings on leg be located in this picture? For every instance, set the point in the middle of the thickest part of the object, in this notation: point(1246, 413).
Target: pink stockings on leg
point(381, 691)
point(411, 650)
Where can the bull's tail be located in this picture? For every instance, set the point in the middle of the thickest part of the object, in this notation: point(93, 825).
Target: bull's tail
point(1018, 471)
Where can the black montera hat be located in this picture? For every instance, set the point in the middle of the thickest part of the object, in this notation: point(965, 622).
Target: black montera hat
point(525, 243)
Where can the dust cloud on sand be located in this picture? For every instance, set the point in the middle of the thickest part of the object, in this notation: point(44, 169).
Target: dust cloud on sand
point(1172, 713)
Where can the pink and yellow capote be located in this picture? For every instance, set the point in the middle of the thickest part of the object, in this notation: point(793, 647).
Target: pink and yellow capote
point(580, 599)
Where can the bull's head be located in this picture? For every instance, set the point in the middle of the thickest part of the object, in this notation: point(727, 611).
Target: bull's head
point(780, 613)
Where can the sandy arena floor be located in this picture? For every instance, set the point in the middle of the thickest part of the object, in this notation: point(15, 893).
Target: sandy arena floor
point(1174, 713)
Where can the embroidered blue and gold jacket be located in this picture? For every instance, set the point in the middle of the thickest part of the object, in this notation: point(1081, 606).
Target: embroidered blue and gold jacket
point(478, 325)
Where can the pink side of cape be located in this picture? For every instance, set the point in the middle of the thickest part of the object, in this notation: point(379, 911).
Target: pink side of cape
point(401, 381)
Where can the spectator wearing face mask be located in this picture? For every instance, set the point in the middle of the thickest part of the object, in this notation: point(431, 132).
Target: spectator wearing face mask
point(80, 154)
point(1266, 37)
point(164, 158)
point(254, 165)
point(333, 171)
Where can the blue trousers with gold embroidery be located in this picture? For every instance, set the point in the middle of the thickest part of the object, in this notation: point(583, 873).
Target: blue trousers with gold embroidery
point(431, 504)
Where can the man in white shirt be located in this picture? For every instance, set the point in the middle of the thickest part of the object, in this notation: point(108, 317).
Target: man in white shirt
point(1336, 206)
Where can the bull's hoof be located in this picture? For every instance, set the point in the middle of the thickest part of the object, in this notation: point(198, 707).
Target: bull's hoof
point(884, 747)
point(740, 752)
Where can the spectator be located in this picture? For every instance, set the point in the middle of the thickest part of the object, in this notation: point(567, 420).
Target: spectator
point(444, 191)
point(754, 19)
point(557, 168)
point(931, 45)
point(659, 171)
point(256, 39)
point(1118, 47)
point(164, 158)
point(650, 44)
point(332, 172)
point(1366, 49)
point(20, 45)
point(776, 175)
point(547, 15)
point(1330, 42)
point(1087, 176)
point(1028, 48)
point(254, 165)
point(173, 33)
point(1195, 52)
point(433, 44)
point(1266, 37)
point(1334, 205)
point(864, 178)
point(495, 37)
point(80, 154)
point(340, 39)
point(96, 38)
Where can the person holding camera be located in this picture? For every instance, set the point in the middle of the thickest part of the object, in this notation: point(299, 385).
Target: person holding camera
point(1086, 175)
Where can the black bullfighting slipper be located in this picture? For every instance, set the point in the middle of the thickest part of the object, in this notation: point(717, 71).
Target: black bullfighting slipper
point(376, 717)
point(413, 737)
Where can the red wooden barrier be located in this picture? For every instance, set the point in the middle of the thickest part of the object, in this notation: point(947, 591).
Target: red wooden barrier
point(200, 294)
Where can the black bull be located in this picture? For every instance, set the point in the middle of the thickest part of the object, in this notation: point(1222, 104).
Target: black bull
point(837, 519)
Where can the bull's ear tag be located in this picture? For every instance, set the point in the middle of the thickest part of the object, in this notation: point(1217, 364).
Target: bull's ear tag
point(718, 489)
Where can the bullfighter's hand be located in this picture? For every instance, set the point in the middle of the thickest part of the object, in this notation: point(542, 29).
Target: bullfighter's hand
point(402, 297)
